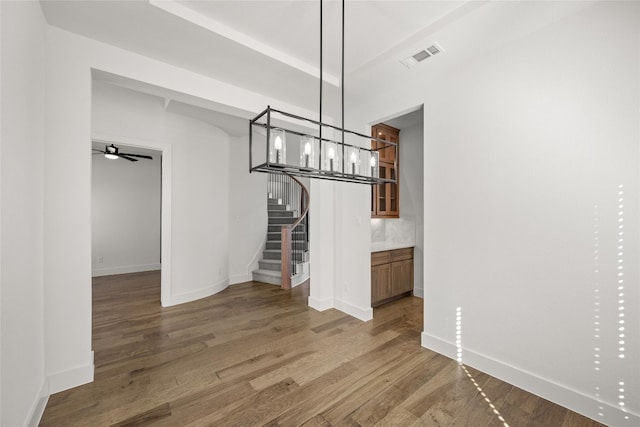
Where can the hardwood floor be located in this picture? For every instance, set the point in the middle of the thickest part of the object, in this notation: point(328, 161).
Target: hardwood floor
point(256, 355)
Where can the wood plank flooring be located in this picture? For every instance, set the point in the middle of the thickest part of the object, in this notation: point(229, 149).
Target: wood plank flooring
point(255, 355)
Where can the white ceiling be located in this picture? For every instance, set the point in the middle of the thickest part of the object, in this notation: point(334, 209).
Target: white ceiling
point(293, 28)
point(272, 47)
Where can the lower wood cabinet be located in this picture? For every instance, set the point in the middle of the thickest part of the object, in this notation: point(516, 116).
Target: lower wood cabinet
point(391, 275)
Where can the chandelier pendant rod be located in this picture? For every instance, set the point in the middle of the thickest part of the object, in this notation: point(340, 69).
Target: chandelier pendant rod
point(341, 83)
point(320, 107)
point(342, 87)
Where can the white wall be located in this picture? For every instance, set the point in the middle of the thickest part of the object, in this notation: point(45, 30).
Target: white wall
point(23, 96)
point(321, 245)
point(412, 195)
point(247, 213)
point(352, 281)
point(339, 240)
point(125, 213)
point(200, 184)
point(525, 150)
point(340, 245)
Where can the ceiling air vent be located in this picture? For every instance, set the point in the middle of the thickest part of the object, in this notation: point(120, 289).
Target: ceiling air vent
point(409, 62)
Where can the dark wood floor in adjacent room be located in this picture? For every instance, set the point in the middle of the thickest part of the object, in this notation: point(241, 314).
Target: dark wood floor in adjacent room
point(256, 355)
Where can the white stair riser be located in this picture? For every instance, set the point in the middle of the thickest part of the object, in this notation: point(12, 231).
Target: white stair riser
point(269, 266)
point(259, 277)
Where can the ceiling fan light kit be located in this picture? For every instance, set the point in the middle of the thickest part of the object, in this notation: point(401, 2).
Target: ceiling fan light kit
point(326, 156)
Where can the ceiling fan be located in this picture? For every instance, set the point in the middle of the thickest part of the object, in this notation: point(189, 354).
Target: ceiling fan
point(112, 152)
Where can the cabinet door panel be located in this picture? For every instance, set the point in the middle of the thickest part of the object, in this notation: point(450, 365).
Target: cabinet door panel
point(380, 282)
point(385, 198)
point(393, 208)
point(402, 276)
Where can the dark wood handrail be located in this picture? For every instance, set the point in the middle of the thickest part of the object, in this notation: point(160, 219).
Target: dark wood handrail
point(306, 198)
point(286, 231)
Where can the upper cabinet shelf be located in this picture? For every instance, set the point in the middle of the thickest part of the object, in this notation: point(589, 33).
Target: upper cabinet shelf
point(385, 198)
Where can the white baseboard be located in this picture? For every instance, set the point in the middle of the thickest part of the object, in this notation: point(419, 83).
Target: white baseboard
point(572, 399)
point(320, 305)
point(418, 292)
point(108, 271)
point(360, 313)
point(65, 380)
point(37, 409)
point(197, 294)
point(294, 284)
point(239, 278)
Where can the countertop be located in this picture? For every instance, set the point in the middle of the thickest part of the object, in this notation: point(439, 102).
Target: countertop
point(388, 246)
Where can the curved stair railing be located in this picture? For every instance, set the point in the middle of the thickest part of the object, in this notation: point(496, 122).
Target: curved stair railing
point(285, 258)
point(295, 236)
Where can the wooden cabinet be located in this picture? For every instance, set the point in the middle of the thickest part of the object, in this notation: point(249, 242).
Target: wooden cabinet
point(385, 198)
point(391, 275)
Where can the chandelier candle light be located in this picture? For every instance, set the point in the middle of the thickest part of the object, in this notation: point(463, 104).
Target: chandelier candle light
point(373, 162)
point(320, 156)
point(307, 145)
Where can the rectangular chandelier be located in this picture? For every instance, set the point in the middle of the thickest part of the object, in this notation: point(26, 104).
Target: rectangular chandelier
point(330, 153)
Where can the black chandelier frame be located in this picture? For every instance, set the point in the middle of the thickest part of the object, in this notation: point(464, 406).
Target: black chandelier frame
point(311, 172)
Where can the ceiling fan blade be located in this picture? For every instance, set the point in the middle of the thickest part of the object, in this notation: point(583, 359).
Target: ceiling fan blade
point(124, 156)
point(142, 156)
point(98, 151)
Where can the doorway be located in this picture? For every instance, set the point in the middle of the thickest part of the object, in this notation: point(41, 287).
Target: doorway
point(406, 227)
point(130, 205)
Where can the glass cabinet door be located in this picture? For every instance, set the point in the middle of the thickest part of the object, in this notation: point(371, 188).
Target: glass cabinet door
point(385, 198)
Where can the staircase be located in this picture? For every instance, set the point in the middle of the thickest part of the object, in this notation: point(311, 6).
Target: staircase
point(270, 266)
